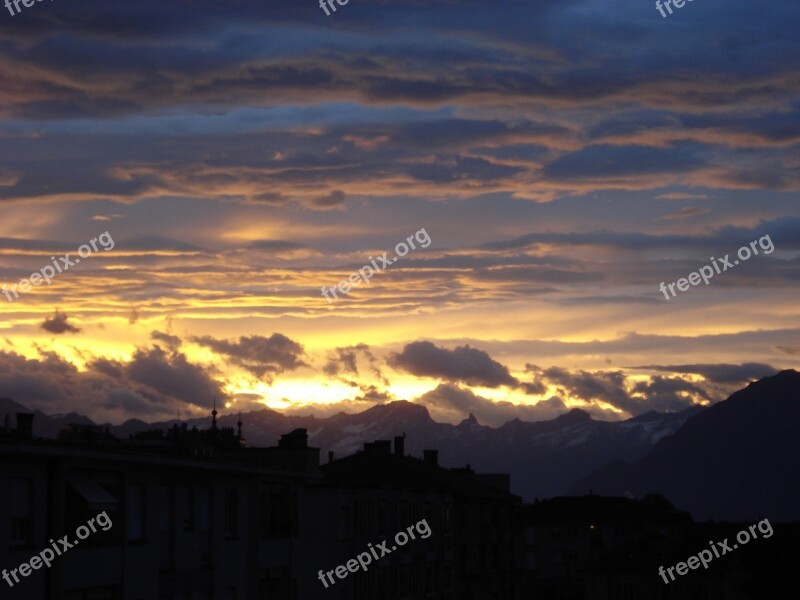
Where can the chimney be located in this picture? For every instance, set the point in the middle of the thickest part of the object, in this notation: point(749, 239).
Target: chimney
point(378, 447)
point(400, 445)
point(25, 426)
point(431, 457)
point(295, 440)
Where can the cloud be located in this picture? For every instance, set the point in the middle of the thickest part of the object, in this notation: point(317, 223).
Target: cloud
point(153, 385)
point(685, 213)
point(58, 324)
point(276, 246)
point(261, 356)
point(173, 342)
point(107, 217)
point(373, 394)
point(682, 196)
point(452, 403)
point(602, 161)
point(665, 395)
point(608, 387)
point(614, 388)
point(345, 360)
point(171, 374)
point(247, 402)
point(292, 132)
point(533, 388)
point(112, 368)
point(462, 364)
point(671, 250)
point(333, 200)
point(548, 53)
point(790, 350)
point(295, 120)
point(720, 373)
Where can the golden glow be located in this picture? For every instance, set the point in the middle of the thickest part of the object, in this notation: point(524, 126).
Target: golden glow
point(297, 392)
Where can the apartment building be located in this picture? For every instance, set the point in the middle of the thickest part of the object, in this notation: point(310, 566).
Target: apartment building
point(197, 515)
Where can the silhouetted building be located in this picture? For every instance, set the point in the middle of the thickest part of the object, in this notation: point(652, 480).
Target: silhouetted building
point(196, 515)
point(564, 535)
point(376, 493)
point(82, 432)
point(23, 430)
point(609, 548)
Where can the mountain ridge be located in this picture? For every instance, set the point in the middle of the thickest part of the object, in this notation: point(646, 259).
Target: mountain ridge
point(543, 457)
point(737, 460)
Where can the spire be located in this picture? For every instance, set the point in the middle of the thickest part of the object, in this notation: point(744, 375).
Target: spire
point(214, 415)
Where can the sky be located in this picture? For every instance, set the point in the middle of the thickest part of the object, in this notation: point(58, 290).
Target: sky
point(551, 161)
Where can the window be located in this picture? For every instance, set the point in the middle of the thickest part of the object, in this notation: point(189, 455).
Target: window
point(417, 574)
point(165, 509)
point(204, 508)
point(433, 515)
point(276, 584)
point(135, 513)
point(98, 593)
point(384, 525)
point(402, 515)
point(364, 516)
point(344, 522)
point(530, 534)
point(188, 508)
point(166, 542)
point(403, 580)
point(89, 493)
point(572, 531)
point(275, 505)
point(204, 524)
point(417, 509)
point(231, 513)
point(627, 591)
point(21, 512)
point(470, 517)
point(393, 524)
point(430, 578)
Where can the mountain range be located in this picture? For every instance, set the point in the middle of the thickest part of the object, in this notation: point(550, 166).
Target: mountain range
point(738, 459)
point(543, 458)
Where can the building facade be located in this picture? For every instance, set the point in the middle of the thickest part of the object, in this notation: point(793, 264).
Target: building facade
point(196, 515)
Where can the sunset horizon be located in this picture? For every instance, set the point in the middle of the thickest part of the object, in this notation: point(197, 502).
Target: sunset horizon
point(610, 220)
